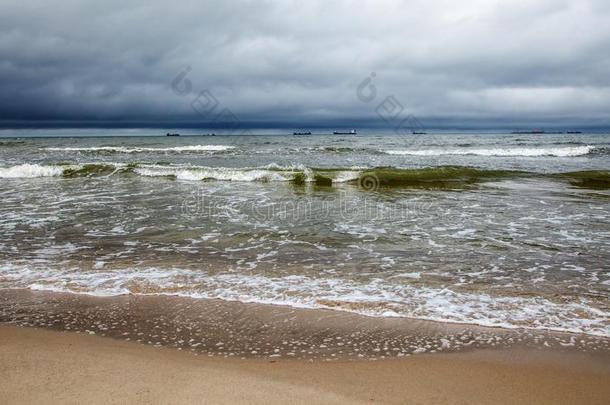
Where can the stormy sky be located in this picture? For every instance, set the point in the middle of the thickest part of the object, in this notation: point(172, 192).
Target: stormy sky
point(299, 63)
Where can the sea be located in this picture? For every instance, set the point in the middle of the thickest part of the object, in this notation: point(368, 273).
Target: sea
point(493, 229)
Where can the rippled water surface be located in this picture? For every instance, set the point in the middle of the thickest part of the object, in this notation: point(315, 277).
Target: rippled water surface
point(494, 229)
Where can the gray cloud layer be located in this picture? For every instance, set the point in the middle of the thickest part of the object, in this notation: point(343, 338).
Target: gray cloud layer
point(302, 61)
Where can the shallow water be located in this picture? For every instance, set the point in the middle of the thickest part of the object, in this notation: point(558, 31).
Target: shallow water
point(495, 233)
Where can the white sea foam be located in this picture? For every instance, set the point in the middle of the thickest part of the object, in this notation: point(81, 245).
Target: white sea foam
point(377, 297)
point(123, 149)
point(516, 152)
point(30, 171)
point(345, 176)
point(271, 172)
point(220, 173)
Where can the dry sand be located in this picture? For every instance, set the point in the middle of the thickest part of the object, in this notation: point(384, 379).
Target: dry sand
point(42, 366)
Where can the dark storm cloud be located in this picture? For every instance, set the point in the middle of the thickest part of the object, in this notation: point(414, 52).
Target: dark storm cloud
point(297, 61)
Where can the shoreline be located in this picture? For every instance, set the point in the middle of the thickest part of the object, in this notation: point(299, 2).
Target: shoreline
point(245, 330)
point(39, 365)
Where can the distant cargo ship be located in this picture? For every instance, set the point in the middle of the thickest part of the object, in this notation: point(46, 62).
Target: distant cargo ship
point(170, 134)
point(301, 133)
point(352, 132)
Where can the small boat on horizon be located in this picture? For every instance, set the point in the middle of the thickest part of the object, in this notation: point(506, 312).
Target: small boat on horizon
point(172, 134)
point(352, 132)
point(301, 133)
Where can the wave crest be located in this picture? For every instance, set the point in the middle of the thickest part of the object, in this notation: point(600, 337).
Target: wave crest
point(440, 177)
point(28, 170)
point(122, 149)
point(506, 152)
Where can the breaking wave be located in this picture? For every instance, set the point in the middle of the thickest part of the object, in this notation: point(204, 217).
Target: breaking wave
point(122, 149)
point(29, 171)
point(440, 177)
point(209, 173)
point(516, 152)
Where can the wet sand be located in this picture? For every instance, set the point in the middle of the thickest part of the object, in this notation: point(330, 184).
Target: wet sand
point(238, 330)
point(42, 366)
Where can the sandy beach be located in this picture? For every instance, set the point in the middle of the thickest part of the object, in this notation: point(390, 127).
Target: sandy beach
point(41, 366)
